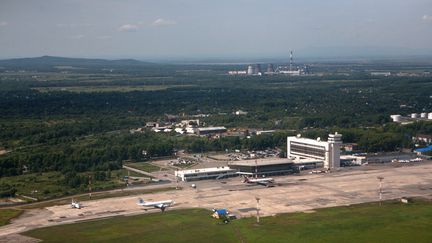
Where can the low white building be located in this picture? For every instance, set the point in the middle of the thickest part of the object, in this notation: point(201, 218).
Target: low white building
point(239, 72)
point(385, 74)
point(265, 132)
point(191, 123)
point(180, 130)
point(353, 159)
point(291, 72)
point(240, 113)
point(190, 130)
point(205, 173)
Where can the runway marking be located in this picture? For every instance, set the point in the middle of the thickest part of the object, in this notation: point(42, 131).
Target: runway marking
point(245, 210)
point(218, 195)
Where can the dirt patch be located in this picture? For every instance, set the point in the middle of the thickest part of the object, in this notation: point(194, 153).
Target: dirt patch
point(309, 211)
point(18, 238)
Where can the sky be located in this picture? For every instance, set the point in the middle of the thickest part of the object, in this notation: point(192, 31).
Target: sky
point(164, 29)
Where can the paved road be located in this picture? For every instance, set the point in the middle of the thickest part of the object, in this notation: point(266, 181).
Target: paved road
point(138, 171)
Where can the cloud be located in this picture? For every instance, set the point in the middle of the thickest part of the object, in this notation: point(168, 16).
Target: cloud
point(76, 37)
point(140, 25)
point(370, 21)
point(128, 28)
point(73, 25)
point(3, 23)
point(104, 37)
point(427, 18)
point(163, 22)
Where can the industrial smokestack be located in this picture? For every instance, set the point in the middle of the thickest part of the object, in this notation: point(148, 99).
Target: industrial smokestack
point(291, 60)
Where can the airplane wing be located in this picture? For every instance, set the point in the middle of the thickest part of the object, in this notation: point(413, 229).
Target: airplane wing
point(265, 183)
point(161, 205)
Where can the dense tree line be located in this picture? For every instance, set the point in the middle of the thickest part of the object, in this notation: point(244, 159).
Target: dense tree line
point(106, 153)
point(75, 133)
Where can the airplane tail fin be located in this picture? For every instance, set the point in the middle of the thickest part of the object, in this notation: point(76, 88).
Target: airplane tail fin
point(140, 201)
point(246, 179)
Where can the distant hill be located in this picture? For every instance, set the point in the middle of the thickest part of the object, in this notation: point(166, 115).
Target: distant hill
point(65, 61)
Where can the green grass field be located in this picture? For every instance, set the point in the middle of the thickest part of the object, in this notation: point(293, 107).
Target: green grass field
point(392, 222)
point(7, 214)
point(48, 185)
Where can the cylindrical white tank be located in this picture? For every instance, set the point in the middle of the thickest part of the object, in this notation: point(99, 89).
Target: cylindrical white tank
point(414, 115)
point(396, 118)
point(430, 116)
point(423, 115)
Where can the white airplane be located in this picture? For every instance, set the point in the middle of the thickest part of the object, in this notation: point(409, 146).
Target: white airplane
point(159, 204)
point(268, 182)
point(75, 204)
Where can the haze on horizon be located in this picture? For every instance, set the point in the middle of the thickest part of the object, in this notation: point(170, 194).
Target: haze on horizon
point(214, 29)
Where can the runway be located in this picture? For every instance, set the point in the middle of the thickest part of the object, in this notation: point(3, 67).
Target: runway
point(292, 193)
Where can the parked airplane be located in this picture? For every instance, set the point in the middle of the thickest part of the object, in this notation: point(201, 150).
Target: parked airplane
point(75, 204)
point(268, 182)
point(159, 204)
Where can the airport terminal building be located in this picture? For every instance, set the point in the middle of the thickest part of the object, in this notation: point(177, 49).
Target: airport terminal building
point(300, 148)
point(205, 173)
point(263, 168)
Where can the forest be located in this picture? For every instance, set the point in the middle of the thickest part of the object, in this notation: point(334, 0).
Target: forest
point(76, 121)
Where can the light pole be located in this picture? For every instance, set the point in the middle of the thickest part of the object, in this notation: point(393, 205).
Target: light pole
point(257, 210)
point(177, 179)
point(380, 178)
point(90, 186)
point(256, 169)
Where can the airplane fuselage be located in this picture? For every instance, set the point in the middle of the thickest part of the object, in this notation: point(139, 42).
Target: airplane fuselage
point(158, 204)
point(152, 204)
point(260, 180)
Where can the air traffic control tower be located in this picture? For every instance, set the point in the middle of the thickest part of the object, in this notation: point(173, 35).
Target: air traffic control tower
point(335, 142)
point(305, 148)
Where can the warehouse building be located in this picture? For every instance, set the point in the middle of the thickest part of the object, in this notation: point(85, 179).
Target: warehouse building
point(209, 130)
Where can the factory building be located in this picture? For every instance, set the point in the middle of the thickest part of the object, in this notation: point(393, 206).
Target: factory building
point(263, 168)
point(206, 173)
point(304, 148)
point(290, 70)
point(254, 70)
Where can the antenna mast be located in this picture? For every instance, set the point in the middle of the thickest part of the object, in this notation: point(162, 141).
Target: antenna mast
point(256, 169)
